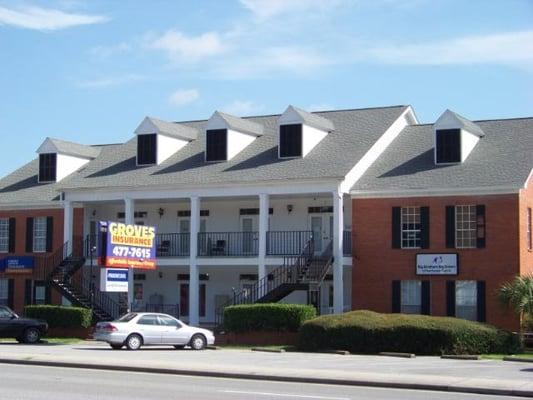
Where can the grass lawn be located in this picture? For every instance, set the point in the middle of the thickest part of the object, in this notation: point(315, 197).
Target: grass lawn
point(526, 354)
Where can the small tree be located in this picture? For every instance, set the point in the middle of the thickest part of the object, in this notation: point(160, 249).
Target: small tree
point(518, 294)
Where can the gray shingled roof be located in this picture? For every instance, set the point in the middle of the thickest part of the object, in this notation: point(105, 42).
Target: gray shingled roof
point(75, 149)
point(314, 120)
point(241, 124)
point(503, 157)
point(174, 129)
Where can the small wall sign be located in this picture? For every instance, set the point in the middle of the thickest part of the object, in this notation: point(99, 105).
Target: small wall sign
point(436, 264)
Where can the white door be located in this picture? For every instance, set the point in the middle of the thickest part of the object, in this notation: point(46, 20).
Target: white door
point(184, 226)
point(322, 228)
point(249, 238)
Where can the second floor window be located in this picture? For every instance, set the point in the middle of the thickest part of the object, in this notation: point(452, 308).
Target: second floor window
point(410, 227)
point(465, 227)
point(39, 234)
point(4, 235)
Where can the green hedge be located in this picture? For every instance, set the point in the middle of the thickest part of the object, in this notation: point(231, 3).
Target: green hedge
point(61, 317)
point(267, 317)
point(368, 332)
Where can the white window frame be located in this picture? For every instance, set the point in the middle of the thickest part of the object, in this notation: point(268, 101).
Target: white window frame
point(40, 293)
point(465, 227)
point(4, 291)
point(411, 297)
point(39, 235)
point(466, 300)
point(4, 235)
point(411, 228)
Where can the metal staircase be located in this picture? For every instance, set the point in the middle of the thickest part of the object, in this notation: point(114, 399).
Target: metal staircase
point(303, 272)
point(62, 271)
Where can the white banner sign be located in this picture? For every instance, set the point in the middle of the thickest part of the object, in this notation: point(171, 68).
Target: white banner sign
point(114, 280)
point(436, 264)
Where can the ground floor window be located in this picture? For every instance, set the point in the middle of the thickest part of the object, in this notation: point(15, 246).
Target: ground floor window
point(4, 292)
point(411, 297)
point(466, 300)
point(39, 296)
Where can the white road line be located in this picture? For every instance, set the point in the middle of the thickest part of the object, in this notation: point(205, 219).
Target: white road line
point(299, 396)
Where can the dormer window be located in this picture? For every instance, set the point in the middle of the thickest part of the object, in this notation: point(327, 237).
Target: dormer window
point(290, 140)
point(47, 167)
point(448, 146)
point(216, 145)
point(146, 149)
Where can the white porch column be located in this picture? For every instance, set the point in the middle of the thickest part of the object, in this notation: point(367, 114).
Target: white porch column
point(129, 218)
point(263, 229)
point(338, 227)
point(68, 218)
point(194, 295)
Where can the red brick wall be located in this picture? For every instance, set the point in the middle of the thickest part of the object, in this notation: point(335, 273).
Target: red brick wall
point(376, 264)
point(20, 246)
point(526, 255)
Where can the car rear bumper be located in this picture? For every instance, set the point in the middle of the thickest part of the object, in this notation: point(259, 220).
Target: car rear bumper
point(110, 337)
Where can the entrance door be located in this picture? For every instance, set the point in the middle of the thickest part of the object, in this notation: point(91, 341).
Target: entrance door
point(322, 228)
point(249, 238)
point(184, 226)
point(184, 300)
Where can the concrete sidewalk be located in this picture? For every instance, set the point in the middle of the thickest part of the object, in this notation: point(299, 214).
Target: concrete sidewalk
point(428, 373)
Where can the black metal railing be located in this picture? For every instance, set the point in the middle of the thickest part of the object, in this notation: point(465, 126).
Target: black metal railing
point(172, 244)
point(347, 243)
point(231, 244)
point(286, 243)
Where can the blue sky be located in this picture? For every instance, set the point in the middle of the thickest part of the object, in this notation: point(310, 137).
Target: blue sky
point(89, 71)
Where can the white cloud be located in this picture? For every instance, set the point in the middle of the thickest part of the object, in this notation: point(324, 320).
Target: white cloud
point(183, 97)
point(242, 108)
point(264, 9)
point(503, 48)
point(185, 49)
point(46, 19)
point(110, 81)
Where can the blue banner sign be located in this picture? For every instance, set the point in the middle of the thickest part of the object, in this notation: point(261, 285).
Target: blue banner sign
point(15, 264)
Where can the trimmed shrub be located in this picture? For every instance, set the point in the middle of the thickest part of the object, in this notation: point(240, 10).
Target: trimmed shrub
point(59, 316)
point(367, 332)
point(267, 317)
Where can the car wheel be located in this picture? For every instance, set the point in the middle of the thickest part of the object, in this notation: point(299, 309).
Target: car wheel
point(134, 342)
point(115, 346)
point(178, 347)
point(31, 335)
point(198, 342)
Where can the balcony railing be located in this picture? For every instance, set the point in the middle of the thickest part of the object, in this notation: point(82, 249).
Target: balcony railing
point(172, 244)
point(286, 243)
point(347, 243)
point(228, 244)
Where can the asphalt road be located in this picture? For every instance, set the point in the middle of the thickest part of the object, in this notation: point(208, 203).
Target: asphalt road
point(20, 382)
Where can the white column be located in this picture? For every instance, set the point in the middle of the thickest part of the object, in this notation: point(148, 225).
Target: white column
point(194, 317)
point(263, 229)
point(68, 211)
point(129, 207)
point(338, 227)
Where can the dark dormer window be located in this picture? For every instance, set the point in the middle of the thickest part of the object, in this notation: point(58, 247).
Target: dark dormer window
point(216, 148)
point(146, 149)
point(47, 167)
point(448, 146)
point(290, 140)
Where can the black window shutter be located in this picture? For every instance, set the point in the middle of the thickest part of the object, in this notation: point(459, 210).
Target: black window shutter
point(11, 293)
point(28, 291)
point(29, 235)
point(396, 296)
point(49, 233)
point(424, 227)
point(396, 227)
point(481, 303)
point(12, 234)
point(48, 295)
point(450, 227)
point(480, 222)
point(450, 298)
point(426, 298)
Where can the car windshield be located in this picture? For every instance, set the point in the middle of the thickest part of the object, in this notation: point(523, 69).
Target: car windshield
point(127, 317)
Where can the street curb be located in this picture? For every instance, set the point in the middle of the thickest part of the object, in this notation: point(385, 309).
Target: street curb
point(263, 377)
point(393, 354)
point(266, 350)
point(460, 357)
point(518, 359)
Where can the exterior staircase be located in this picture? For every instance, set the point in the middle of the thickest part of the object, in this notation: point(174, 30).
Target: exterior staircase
point(303, 272)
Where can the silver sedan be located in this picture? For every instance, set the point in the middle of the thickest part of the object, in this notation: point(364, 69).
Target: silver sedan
point(134, 330)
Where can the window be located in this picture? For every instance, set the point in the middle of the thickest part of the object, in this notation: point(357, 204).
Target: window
point(47, 167)
point(146, 149)
point(466, 300)
point(4, 235)
point(216, 145)
point(167, 321)
point(39, 234)
point(448, 143)
point(528, 230)
point(40, 293)
point(410, 227)
point(4, 313)
point(148, 320)
point(253, 211)
point(4, 292)
point(411, 297)
point(290, 140)
point(465, 227)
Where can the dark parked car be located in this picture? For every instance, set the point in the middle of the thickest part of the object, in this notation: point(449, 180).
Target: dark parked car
point(25, 330)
